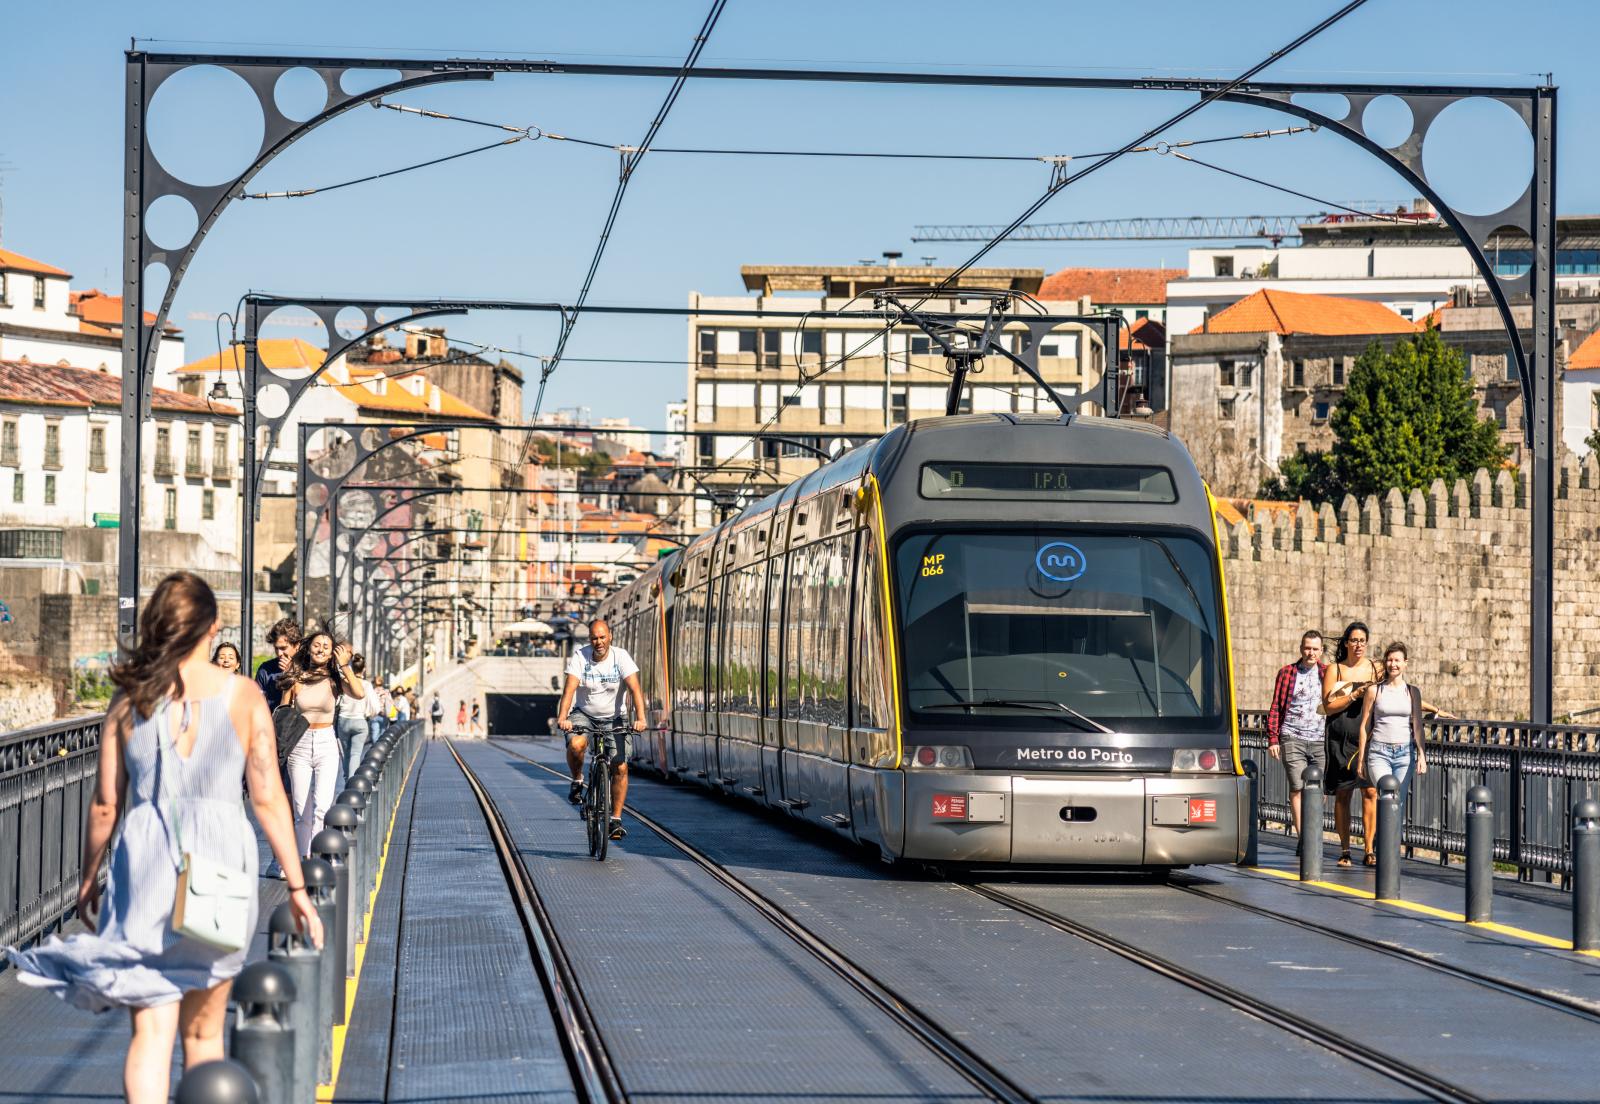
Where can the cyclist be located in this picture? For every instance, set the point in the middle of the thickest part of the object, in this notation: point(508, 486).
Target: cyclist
point(596, 673)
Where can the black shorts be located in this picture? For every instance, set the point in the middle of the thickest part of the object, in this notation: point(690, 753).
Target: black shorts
point(621, 742)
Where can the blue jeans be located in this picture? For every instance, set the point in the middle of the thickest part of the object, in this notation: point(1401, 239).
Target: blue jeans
point(352, 733)
point(1395, 759)
point(375, 727)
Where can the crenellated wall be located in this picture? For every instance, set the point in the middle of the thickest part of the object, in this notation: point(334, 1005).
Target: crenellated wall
point(1446, 570)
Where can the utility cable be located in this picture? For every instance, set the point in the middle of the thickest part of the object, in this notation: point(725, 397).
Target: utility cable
point(630, 162)
point(1066, 180)
point(1375, 217)
point(300, 192)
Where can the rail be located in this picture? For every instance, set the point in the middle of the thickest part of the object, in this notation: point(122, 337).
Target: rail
point(1535, 772)
point(47, 777)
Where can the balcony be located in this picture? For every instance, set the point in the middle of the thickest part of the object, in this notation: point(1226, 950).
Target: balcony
point(52, 458)
point(163, 463)
point(221, 470)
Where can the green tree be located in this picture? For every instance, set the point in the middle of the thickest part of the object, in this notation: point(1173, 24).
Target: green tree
point(1407, 417)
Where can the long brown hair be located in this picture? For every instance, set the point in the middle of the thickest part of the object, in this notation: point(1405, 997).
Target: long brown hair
point(177, 619)
point(303, 671)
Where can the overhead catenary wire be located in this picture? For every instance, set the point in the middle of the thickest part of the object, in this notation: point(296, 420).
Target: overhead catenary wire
point(1066, 180)
point(1369, 215)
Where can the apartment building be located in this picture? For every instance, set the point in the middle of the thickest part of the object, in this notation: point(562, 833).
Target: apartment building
point(828, 383)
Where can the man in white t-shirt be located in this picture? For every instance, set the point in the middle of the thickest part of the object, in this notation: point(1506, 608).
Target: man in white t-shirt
point(596, 676)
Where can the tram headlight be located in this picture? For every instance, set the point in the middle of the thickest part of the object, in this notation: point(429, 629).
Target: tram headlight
point(938, 757)
point(1199, 761)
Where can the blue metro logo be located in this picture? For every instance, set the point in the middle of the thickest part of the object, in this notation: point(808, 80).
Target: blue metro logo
point(1061, 561)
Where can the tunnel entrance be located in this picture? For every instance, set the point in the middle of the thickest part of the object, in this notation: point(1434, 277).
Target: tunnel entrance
point(520, 714)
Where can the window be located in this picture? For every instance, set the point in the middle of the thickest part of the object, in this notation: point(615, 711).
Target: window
point(97, 448)
point(833, 404)
point(8, 441)
point(1338, 372)
point(163, 459)
point(1140, 314)
point(49, 490)
point(770, 356)
point(705, 448)
point(191, 453)
point(811, 342)
point(1123, 629)
point(705, 402)
point(1319, 412)
point(1297, 373)
point(5, 300)
point(964, 403)
point(18, 487)
point(1242, 375)
point(1225, 410)
point(921, 345)
point(708, 348)
point(1511, 368)
point(170, 521)
point(767, 400)
point(1225, 373)
point(52, 445)
point(208, 504)
point(1406, 313)
point(221, 462)
point(1222, 266)
point(899, 405)
point(38, 293)
point(1025, 399)
point(747, 341)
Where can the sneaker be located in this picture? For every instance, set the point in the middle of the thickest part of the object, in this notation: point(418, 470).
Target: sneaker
point(617, 830)
point(575, 792)
point(274, 871)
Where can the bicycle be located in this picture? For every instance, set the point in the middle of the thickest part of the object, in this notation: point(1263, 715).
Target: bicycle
point(596, 808)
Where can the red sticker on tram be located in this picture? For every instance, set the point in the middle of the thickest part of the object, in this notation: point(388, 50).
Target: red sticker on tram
point(1202, 810)
point(949, 806)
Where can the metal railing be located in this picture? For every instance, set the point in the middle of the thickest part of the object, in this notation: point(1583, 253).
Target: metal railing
point(1535, 772)
point(47, 776)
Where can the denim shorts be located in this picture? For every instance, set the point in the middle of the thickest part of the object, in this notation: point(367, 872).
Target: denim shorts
point(1300, 754)
point(1395, 759)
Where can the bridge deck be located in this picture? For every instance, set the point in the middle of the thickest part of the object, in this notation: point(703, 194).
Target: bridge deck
point(698, 995)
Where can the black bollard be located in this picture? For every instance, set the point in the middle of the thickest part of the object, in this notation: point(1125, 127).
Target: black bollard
point(300, 957)
point(263, 1038)
point(331, 847)
point(322, 885)
point(1387, 840)
point(219, 1082)
point(1480, 855)
point(1311, 825)
point(1586, 876)
point(342, 818)
point(1252, 841)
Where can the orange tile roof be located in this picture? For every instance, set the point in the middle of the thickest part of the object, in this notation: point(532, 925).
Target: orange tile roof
point(1291, 312)
point(395, 398)
point(16, 262)
point(1434, 318)
point(1146, 333)
point(1110, 285)
point(102, 314)
point(281, 353)
point(1586, 355)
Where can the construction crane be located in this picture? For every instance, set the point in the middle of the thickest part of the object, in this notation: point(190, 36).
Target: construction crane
point(1274, 228)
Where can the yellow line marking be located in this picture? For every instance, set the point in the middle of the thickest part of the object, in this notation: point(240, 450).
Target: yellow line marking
point(325, 1092)
point(1428, 910)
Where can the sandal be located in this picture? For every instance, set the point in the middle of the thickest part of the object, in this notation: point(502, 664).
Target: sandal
point(1370, 860)
point(1344, 858)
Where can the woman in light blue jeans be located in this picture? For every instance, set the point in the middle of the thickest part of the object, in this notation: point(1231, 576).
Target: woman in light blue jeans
point(1391, 725)
point(351, 730)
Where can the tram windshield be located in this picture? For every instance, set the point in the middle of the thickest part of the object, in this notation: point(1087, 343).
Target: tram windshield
point(1100, 631)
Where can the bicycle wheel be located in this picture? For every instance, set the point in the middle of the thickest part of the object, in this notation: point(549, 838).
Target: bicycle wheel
point(599, 810)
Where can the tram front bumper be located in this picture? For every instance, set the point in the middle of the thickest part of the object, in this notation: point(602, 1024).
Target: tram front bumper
point(1074, 819)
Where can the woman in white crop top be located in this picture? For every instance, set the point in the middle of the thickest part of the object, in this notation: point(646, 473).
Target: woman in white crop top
point(1391, 730)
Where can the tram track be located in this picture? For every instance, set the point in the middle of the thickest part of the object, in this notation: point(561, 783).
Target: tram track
point(975, 1069)
point(1554, 1001)
point(594, 1077)
point(1413, 1077)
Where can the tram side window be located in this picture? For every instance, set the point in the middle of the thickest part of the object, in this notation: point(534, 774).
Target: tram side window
point(713, 619)
point(689, 683)
point(872, 706)
point(797, 618)
point(741, 674)
point(831, 638)
point(773, 613)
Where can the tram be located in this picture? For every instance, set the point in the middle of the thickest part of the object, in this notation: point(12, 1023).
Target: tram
point(988, 639)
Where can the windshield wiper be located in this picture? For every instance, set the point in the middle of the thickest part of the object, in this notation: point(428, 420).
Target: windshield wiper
point(1045, 705)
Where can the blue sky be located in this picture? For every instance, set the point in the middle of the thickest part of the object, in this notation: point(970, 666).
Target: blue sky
point(521, 222)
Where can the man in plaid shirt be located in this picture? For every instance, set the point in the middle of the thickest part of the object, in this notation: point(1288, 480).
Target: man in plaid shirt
point(1295, 732)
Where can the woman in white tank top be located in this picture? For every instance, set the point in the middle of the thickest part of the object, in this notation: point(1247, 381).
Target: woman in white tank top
point(1391, 725)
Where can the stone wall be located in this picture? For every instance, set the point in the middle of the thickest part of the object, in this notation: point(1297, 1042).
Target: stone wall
point(1446, 570)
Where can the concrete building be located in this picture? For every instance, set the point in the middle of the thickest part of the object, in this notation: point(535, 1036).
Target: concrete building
point(1408, 261)
point(746, 375)
point(1263, 380)
point(44, 320)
